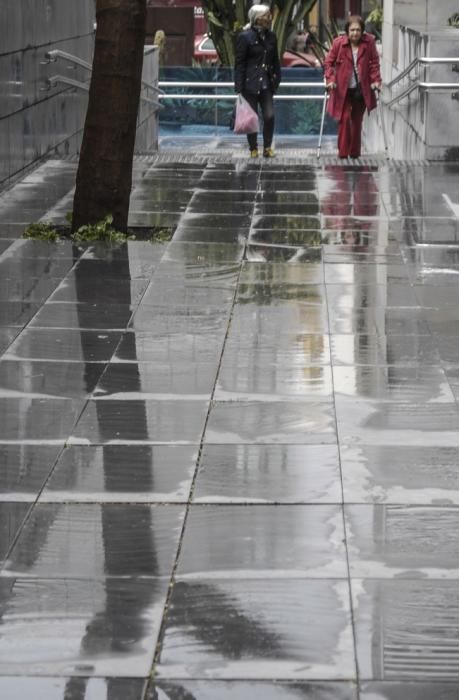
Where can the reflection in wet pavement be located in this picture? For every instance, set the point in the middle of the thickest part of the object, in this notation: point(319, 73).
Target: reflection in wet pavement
point(232, 459)
point(144, 541)
point(66, 627)
point(237, 628)
point(75, 688)
point(252, 690)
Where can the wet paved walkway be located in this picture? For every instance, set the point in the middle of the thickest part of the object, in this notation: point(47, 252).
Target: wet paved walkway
point(232, 460)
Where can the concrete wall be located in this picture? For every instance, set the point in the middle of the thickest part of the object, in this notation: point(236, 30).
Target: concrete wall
point(428, 13)
point(424, 125)
point(442, 112)
point(424, 15)
point(35, 122)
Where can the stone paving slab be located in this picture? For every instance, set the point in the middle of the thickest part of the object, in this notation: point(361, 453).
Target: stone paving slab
point(229, 463)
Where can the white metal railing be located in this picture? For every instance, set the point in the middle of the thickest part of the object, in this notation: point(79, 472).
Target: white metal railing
point(231, 95)
point(322, 95)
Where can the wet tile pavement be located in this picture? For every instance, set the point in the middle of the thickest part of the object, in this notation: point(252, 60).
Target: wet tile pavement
point(229, 464)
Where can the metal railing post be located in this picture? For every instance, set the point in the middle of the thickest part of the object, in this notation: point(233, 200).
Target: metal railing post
point(324, 108)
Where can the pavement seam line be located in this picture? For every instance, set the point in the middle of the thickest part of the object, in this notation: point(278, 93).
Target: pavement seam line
point(159, 641)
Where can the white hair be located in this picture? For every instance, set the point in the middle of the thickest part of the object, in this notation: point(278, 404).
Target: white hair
point(257, 11)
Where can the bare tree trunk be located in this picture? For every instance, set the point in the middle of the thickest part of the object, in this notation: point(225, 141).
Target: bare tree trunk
point(104, 177)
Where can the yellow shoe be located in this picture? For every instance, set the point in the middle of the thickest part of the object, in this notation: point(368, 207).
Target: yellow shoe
point(254, 153)
point(268, 153)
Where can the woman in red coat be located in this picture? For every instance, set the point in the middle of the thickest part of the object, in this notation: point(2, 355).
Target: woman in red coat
point(352, 75)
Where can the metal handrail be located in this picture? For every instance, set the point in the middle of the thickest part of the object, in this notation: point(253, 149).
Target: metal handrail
point(56, 79)
point(422, 86)
point(424, 60)
point(54, 54)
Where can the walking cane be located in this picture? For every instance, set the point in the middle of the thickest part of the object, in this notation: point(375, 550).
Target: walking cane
point(381, 121)
point(324, 107)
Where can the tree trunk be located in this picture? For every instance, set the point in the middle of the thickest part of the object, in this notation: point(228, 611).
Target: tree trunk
point(104, 177)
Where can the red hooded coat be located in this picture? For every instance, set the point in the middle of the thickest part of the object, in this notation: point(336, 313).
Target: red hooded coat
point(339, 68)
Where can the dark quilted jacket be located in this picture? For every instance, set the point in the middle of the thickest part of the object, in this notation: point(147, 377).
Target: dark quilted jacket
point(252, 52)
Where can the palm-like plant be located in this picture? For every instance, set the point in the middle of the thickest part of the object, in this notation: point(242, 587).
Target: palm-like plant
point(319, 48)
point(289, 14)
point(375, 18)
point(226, 19)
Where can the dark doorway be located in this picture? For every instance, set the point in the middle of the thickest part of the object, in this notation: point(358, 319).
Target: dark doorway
point(340, 9)
point(178, 25)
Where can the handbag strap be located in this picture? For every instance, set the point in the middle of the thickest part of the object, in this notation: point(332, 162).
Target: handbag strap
point(356, 76)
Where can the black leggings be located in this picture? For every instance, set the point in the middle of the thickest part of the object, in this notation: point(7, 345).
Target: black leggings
point(265, 100)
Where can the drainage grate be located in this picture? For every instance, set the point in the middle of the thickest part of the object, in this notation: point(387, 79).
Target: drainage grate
point(287, 156)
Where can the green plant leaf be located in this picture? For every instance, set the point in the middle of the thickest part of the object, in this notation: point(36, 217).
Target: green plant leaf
point(211, 17)
point(41, 231)
point(100, 231)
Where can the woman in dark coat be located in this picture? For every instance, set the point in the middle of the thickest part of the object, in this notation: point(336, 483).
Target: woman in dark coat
point(257, 73)
point(352, 75)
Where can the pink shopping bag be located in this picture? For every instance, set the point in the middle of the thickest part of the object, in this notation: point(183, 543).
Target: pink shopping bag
point(246, 121)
